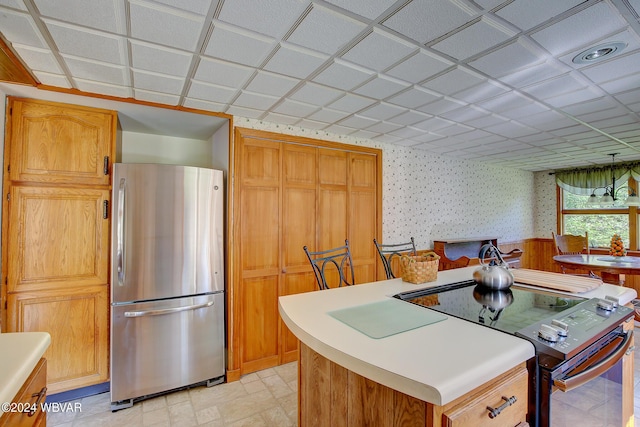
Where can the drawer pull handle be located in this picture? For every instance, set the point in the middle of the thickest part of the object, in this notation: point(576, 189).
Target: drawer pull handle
point(494, 412)
point(35, 406)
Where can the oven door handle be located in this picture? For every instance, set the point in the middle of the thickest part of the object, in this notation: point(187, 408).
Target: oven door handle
point(569, 383)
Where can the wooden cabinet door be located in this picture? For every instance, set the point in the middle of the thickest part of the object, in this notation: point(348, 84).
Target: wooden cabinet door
point(59, 143)
point(58, 237)
point(77, 320)
point(333, 210)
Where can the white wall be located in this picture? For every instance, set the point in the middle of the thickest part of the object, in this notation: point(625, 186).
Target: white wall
point(545, 204)
point(431, 197)
point(147, 148)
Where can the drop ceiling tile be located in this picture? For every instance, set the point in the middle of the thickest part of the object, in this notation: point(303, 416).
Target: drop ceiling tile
point(556, 86)
point(241, 112)
point(49, 79)
point(358, 122)
point(569, 130)
point(408, 118)
point(270, 18)
point(157, 97)
point(594, 105)
point(382, 111)
point(339, 130)
point(103, 88)
point(597, 115)
point(98, 14)
point(351, 103)
point(38, 59)
point(388, 139)
point(295, 108)
point(325, 30)
point(455, 129)
point(222, 73)
point(616, 68)
point(526, 14)
point(313, 93)
point(15, 4)
point(510, 130)
point(478, 37)
point(343, 75)
point(281, 118)
point(441, 106)
point(254, 100)
point(622, 84)
point(83, 43)
point(486, 121)
point(157, 82)
point(534, 74)
point(20, 28)
point(419, 67)
point(381, 87)
point(146, 56)
point(406, 132)
point(547, 120)
point(379, 51)
point(486, 90)
point(271, 84)
point(383, 127)
point(425, 20)
point(510, 58)
point(294, 61)
point(412, 98)
point(360, 133)
point(524, 111)
point(505, 102)
point(165, 26)
point(97, 71)
point(328, 115)
point(433, 124)
point(311, 124)
point(428, 137)
point(626, 36)
point(367, 8)
point(576, 97)
point(580, 30)
point(212, 93)
point(236, 45)
point(455, 80)
point(629, 97)
point(200, 7)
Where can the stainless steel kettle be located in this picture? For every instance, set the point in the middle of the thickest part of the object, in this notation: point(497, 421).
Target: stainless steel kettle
point(495, 274)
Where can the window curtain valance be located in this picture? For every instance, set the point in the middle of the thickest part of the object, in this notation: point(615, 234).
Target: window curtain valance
point(583, 181)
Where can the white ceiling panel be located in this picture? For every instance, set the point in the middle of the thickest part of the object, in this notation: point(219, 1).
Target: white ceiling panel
point(478, 37)
point(145, 56)
point(81, 43)
point(236, 45)
point(165, 26)
point(325, 31)
point(270, 18)
point(425, 20)
point(488, 80)
point(294, 61)
point(106, 15)
point(378, 51)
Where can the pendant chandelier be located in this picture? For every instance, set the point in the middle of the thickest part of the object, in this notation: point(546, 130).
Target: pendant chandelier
point(612, 194)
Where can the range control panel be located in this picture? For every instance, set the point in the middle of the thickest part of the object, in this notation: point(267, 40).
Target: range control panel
point(574, 329)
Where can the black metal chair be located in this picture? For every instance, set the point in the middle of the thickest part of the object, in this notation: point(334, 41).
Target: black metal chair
point(334, 264)
point(387, 252)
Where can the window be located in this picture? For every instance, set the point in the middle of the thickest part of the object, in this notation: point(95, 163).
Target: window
point(576, 216)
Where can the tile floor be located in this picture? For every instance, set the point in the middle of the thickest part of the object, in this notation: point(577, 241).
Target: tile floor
point(265, 398)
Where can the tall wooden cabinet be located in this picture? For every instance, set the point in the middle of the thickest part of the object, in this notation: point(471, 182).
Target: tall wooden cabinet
point(55, 245)
point(289, 192)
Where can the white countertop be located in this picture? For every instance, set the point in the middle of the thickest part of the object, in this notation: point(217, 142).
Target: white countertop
point(436, 363)
point(19, 354)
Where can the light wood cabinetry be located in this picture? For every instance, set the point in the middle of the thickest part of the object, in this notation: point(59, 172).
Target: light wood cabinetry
point(32, 394)
point(56, 234)
point(332, 395)
point(289, 192)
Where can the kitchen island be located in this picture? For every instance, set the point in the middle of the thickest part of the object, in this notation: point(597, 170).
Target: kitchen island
point(429, 371)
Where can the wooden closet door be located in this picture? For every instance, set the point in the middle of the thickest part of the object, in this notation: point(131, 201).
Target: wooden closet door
point(333, 208)
point(298, 230)
point(60, 143)
point(259, 231)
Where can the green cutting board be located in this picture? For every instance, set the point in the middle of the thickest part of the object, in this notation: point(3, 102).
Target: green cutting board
point(385, 318)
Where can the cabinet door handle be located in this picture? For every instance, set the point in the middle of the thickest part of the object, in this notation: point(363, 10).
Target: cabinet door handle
point(34, 408)
point(105, 169)
point(120, 255)
point(494, 412)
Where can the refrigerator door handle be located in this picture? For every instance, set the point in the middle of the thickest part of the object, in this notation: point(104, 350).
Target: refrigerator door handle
point(166, 310)
point(120, 230)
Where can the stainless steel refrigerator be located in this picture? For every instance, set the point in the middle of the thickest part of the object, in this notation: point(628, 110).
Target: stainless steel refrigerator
point(167, 280)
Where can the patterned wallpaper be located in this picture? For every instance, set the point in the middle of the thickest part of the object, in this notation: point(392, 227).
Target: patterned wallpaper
point(432, 197)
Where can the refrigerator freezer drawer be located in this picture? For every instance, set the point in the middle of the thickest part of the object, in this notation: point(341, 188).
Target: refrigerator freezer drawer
point(162, 345)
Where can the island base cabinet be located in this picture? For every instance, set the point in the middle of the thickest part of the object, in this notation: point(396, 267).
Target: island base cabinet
point(330, 395)
point(33, 394)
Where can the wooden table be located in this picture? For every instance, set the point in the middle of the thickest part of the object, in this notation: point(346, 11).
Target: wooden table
point(611, 268)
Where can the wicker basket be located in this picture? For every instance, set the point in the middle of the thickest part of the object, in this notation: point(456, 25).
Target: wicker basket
point(420, 269)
